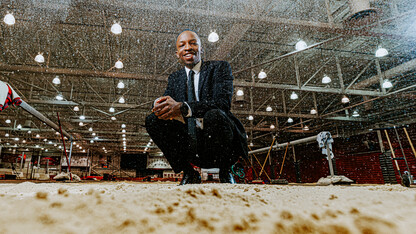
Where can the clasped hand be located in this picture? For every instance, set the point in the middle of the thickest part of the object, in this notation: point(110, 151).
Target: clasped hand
point(167, 108)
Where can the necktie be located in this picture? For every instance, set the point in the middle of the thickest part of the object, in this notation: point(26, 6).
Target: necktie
point(191, 120)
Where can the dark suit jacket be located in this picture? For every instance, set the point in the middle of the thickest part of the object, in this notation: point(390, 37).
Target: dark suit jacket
point(215, 92)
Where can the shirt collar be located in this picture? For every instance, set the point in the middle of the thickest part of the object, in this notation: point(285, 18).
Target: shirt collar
point(196, 68)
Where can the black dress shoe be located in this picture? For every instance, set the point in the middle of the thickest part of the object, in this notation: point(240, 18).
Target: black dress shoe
point(191, 177)
point(226, 177)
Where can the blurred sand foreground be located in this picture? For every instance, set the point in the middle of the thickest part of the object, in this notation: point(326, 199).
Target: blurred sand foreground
point(122, 207)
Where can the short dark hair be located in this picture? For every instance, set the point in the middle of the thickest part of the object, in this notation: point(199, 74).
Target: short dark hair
point(185, 30)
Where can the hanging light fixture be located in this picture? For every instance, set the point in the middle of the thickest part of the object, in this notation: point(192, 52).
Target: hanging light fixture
point(56, 80)
point(37, 135)
point(113, 118)
point(123, 131)
point(313, 111)
point(250, 117)
point(19, 126)
point(301, 45)
point(91, 141)
point(59, 97)
point(24, 141)
point(345, 99)
point(8, 121)
point(269, 108)
point(93, 134)
point(326, 79)
point(123, 135)
point(120, 85)
point(355, 114)
point(290, 120)
point(262, 75)
point(240, 92)
point(90, 129)
point(306, 128)
point(76, 108)
point(213, 37)
point(272, 126)
point(9, 19)
point(293, 96)
point(96, 138)
point(82, 117)
point(387, 84)
point(29, 132)
point(111, 109)
point(121, 100)
point(81, 124)
point(119, 64)
point(39, 58)
point(123, 126)
point(381, 52)
point(6, 135)
point(116, 28)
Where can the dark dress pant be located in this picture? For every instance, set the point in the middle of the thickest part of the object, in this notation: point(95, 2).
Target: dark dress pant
point(214, 141)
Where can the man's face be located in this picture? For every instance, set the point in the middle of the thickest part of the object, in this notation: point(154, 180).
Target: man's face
point(188, 48)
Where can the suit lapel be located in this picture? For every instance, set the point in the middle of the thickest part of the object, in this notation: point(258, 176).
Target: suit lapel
point(202, 77)
point(182, 85)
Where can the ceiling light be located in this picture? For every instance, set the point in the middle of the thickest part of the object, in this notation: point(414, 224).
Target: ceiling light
point(116, 28)
point(251, 144)
point(269, 108)
point(6, 135)
point(326, 79)
point(381, 52)
point(8, 121)
point(120, 85)
point(121, 100)
point(119, 64)
point(81, 124)
point(124, 135)
point(306, 128)
point(345, 99)
point(293, 96)
point(90, 129)
point(124, 138)
point(313, 112)
point(240, 92)
point(24, 141)
point(301, 45)
point(250, 117)
point(59, 97)
point(262, 74)
point(46, 150)
point(123, 131)
point(57, 133)
point(272, 126)
point(387, 84)
point(290, 120)
point(83, 150)
point(9, 19)
point(29, 132)
point(37, 146)
point(82, 117)
point(113, 118)
point(123, 126)
point(55, 145)
point(355, 114)
point(19, 126)
point(16, 139)
point(45, 139)
point(56, 80)
point(93, 134)
point(39, 58)
point(50, 142)
point(37, 135)
point(213, 37)
point(111, 109)
point(76, 108)
point(96, 138)
point(91, 141)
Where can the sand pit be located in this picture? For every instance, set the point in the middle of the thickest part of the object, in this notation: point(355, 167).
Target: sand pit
point(122, 207)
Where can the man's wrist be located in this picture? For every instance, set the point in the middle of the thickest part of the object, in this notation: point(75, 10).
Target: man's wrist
point(185, 110)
